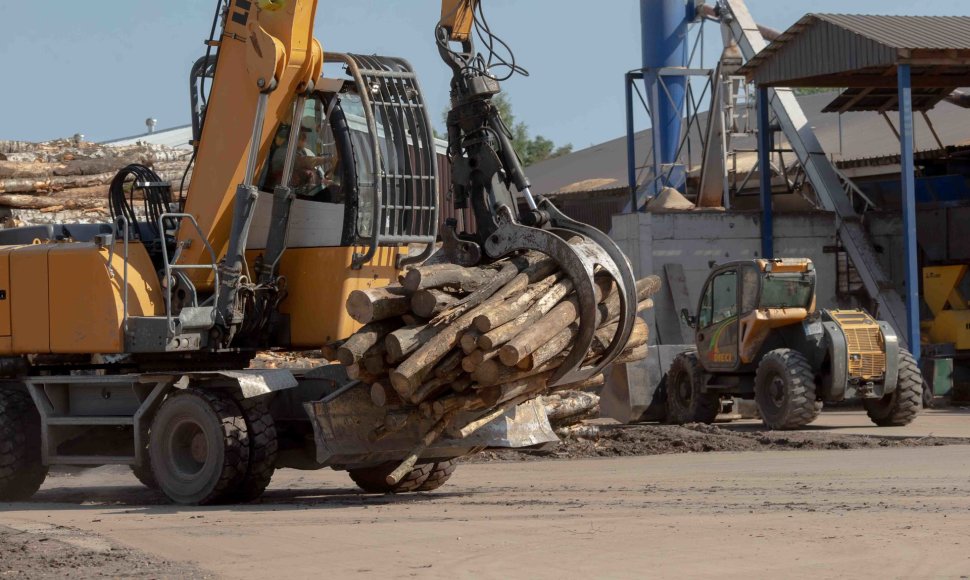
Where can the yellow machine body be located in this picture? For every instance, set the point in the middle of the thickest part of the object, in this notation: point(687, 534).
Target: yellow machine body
point(950, 322)
point(69, 297)
point(319, 280)
point(864, 341)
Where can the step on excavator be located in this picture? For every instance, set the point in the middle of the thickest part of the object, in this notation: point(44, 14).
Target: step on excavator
point(129, 342)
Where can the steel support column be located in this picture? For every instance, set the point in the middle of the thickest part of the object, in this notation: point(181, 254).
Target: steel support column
point(908, 202)
point(631, 151)
point(764, 171)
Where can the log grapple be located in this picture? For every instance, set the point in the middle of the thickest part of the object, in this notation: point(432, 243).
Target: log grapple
point(485, 166)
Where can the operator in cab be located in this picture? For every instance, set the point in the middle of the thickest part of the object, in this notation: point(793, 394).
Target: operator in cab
point(310, 171)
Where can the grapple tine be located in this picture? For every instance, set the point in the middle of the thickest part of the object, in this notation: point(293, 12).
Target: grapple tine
point(578, 259)
point(604, 252)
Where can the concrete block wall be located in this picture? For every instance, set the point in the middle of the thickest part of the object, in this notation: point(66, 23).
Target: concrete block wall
point(698, 240)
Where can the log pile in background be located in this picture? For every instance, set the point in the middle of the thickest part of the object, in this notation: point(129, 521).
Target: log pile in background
point(67, 176)
point(449, 341)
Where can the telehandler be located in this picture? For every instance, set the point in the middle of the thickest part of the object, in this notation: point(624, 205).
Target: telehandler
point(758, 335)
point(128, 342)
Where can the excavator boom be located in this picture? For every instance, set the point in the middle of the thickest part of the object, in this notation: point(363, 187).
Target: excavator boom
point(458, 18)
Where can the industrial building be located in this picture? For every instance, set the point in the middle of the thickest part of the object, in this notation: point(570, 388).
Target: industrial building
point(863, 125)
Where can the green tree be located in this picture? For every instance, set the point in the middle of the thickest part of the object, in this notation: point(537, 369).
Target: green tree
point(531, 150)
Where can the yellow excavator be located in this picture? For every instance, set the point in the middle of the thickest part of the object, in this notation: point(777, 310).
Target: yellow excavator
point(128, 342)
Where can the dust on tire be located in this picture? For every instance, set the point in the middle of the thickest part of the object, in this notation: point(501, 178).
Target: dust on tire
point(901, 406)
point(685, 377)
point(785, 390)
point(21, 469)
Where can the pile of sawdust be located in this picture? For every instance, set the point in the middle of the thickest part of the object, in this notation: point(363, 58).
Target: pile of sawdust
point(669, 199)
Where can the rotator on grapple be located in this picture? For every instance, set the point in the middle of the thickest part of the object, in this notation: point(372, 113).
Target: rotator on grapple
point(484, 168)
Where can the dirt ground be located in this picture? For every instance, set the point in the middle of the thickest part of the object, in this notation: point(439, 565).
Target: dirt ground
point(41, 550)
point(632, 441)
point(727, 501)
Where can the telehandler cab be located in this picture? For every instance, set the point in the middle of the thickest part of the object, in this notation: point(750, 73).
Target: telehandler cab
point(758, 335)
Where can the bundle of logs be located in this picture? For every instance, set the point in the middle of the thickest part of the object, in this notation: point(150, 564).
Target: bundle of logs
point(66, 174)
point(567, 411)
point(449, 341)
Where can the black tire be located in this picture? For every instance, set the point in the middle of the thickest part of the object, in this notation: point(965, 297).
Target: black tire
point(199, 447)
point(686, 401)
point(784, 388)
point(21, 470)
point(901, 406)
point(144, 474)
point(373, 479)
point(440, 473)
point(263, 449)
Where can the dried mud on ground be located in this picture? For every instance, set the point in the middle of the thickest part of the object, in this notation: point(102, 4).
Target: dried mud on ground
point(636, 440)
point(64, 552)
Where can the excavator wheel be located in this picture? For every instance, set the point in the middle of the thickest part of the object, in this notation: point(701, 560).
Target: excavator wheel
point(686, 401)
point(199, 447)
point(424, 477)
point(263, 449)
point(144, 474)
point(784, 388)
point(21, 469)
point(440, 474)
point(901, 406)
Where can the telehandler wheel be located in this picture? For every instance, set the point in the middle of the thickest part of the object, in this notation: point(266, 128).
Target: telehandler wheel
point(21, 469)
point(440, 474)
point(784, 388)
point(424, 477)
point(686, 402)
point(263, 449)
point(901, 406)
point(199, 446)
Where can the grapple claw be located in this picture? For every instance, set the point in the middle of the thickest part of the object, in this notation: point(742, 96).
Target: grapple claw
point(581, 252)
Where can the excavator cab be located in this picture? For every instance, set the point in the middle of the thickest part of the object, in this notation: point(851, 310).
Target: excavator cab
point(364, 162)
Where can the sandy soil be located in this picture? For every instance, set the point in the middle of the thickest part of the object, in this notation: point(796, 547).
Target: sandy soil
point(41, 550)
point(880, 510)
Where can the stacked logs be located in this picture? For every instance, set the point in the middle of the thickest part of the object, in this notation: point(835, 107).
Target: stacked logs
point(69, 175)
point(567, 410)
point(449, 341)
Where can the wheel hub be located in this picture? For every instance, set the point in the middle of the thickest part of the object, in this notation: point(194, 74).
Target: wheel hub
point(684, 391)
point(199, 448)
point(776, 390)
point(189, 448)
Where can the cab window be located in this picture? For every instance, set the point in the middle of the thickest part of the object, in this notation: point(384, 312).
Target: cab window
point(704, 316)
point(750, 282)
point(314, 158)
point(724, 291)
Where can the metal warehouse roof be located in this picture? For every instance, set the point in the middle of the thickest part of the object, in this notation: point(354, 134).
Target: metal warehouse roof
point(600, 170)
point(862, 51)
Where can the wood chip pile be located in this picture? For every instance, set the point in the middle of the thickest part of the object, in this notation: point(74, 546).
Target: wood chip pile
point(450, 341)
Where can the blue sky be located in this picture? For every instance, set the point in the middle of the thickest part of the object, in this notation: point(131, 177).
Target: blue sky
point(102, 67)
